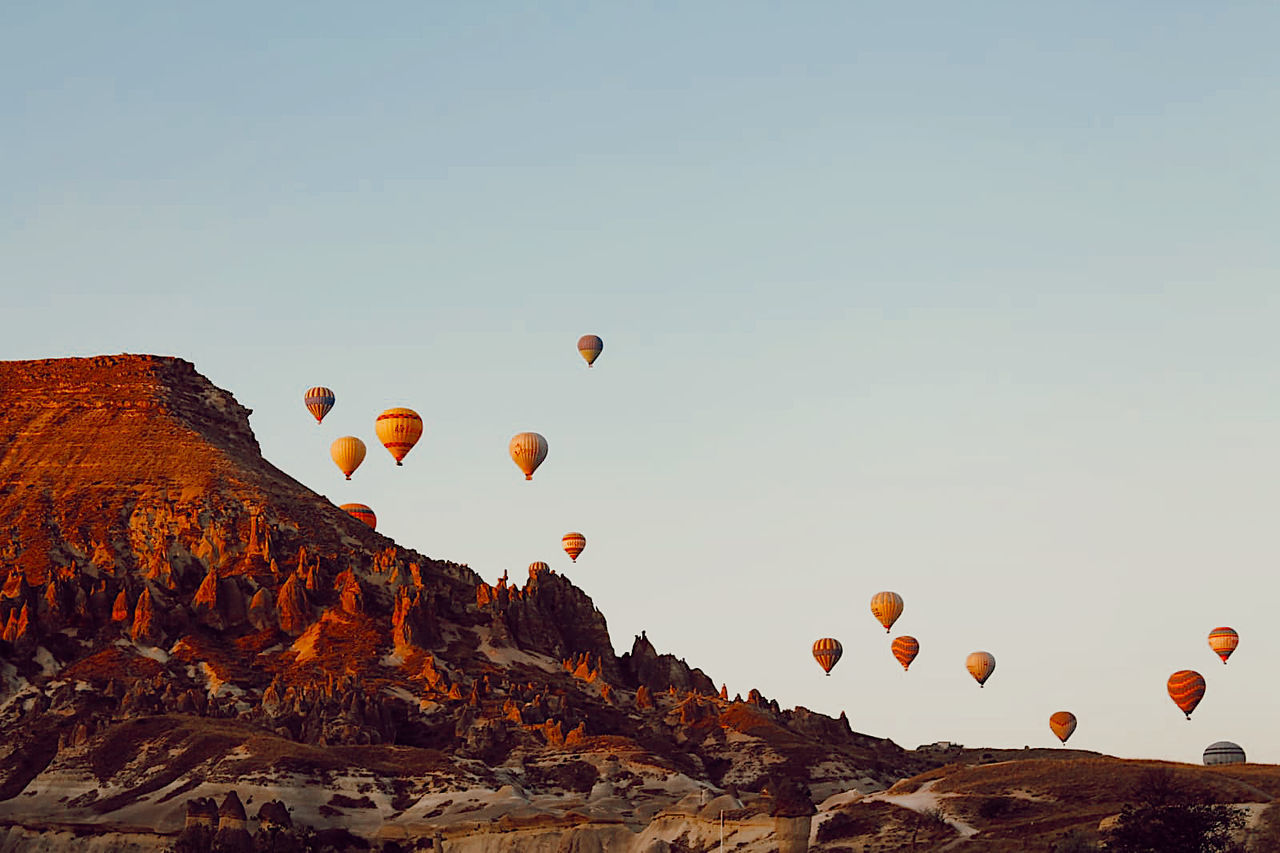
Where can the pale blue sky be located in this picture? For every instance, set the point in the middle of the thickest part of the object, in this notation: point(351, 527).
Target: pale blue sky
point(975, 304)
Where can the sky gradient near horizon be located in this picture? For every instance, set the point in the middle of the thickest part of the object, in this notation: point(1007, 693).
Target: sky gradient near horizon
point(977, 305)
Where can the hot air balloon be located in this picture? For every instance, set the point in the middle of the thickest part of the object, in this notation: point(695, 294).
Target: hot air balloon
point(361, 512)
point(1062, 724)
point(1223, 641)
point(590, 346)
point(887, 607)
point(1223, 752)
point(905, 649)
point(1186, 689)
point(527, 450)
point(827, 652)
point(347, 453)
point(399, 430)
point(538, 567)
point(573, 544)
point(980, 666)
point(319, 400)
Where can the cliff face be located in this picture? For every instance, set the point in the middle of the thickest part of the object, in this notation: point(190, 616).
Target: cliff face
point(179, 616)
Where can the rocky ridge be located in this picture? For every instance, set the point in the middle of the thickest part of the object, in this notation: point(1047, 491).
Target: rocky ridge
point(182, 620)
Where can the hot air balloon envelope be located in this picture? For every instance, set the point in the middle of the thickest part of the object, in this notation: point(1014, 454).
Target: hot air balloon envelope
point(347, 453)
point(905, 649)
point(319, 400)
point(361, 512)
point(573, 544)
point(590, 346)
point(980, 666)
point(1223, 641)
point(1186, 689)
point(399, 430)
point(527, 450)
point(1223, 752)
point(887, 607)
point(827, 652)
point(1062, 724)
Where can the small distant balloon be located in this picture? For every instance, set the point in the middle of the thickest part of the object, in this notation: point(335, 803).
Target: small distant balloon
point(319, 400)
point(1062, 724)
point(573, 544)
point(827, 652)
point(527, 450)
point(980, 666)
point(347, 453)
point(399, 430)
point(887, 607)
point(905, 649)
point(362, 513)
point(538, 567)
point(1223, 752)
point(1186, 689)
point(1223, 641)
point(590, 346)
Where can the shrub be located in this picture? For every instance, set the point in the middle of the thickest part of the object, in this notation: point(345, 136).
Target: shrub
point(1195, 828)
point(934, 817)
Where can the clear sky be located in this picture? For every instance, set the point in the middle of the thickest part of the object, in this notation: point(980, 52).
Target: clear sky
point(975, 303)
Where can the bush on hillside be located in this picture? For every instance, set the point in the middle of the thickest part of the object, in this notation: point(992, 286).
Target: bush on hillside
point(1197, 828)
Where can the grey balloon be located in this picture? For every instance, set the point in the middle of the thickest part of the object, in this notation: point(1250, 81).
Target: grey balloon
point(1223, 752)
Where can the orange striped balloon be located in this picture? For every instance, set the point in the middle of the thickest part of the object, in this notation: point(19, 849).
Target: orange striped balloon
point(399, 430)
point(1186, 689)
point(361, 512)
point(887, 607)
point(905, 649)
point(980, 666)
point(347, 453)
point(1223, 641)
point(590, 346)
point(538, 567)
point(319, 400)
point(527, 450)
point(573, 544)
point(1062, 724)
point(827, 652)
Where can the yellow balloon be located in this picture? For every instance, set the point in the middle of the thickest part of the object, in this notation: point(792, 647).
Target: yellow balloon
point(887, 607)
point(1062, 724)
point(347, 453)
point(527, 450)
point(399, 430)
point(980, 666)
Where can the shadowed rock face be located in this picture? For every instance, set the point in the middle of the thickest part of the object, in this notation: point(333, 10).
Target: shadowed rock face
point(179, 614)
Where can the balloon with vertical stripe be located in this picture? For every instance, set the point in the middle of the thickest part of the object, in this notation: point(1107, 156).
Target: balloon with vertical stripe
point(905, 649)
point(980, 666)
point(573, 544)
point(347, 453)
point(319, 400)
point(399, 430)
point(1186, 689)
point(361, 513)
point(887, 607)
point(1223, 641)
point(827, 652)
point(527, 450)
point(1062, 724)
point(590, 346)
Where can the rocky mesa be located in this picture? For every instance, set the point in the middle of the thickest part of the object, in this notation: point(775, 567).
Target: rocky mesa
point(200, 653)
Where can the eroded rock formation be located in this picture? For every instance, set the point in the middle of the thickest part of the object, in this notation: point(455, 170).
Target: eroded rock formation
point(178, 613)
